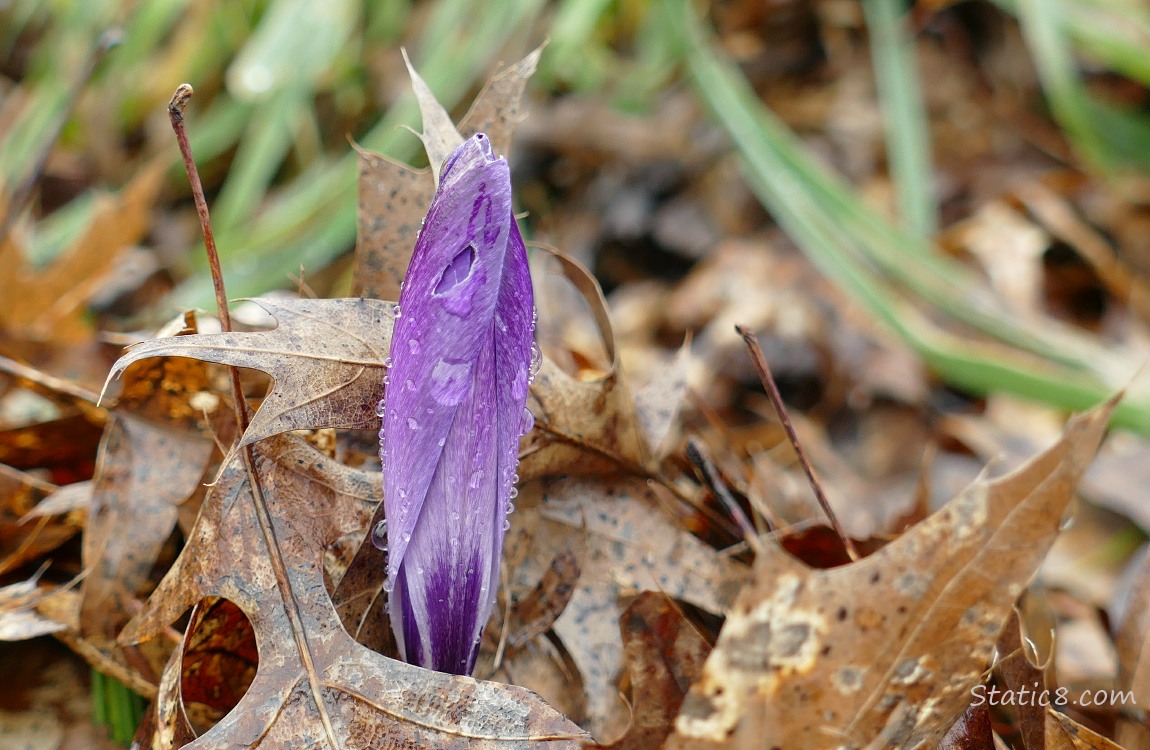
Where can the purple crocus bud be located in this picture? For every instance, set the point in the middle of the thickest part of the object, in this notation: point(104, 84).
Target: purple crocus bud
point(461, 357)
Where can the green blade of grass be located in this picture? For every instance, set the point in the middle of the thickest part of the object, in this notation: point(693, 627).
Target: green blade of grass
point(904, 117)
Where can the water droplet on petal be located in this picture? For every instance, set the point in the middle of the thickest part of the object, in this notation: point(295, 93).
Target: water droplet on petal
point(407, 537)
point(442, 441)
point(413, 346)
point(526, 422)
point(514, 492)
point(409, 384)
point(476, 478)
point(450, 382)
point(509, 508)
point(534, 316)
point(397, 312)
point(380, 407)
point(386, 379)
point(536, 362)
point(388, 585)
point(412, 423)
point(387, 361)
point(506, 524)
point(379, 535)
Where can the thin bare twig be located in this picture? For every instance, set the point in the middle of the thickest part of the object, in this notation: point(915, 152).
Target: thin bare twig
point(176, 109)
point(706, 467)
point(768, 381)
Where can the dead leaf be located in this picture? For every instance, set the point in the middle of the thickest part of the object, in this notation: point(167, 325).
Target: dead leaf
point(665, 655)
point(393, 197)
point(315, 686)
point(1133, 645)
point(49, 304)
point(19, 619)
point(155, 451)
point(1064, 733)
point(658, 402)
point(1017, 670)
point(884, 651)
point(24, 537)
point(634, 545)
point(326, 357)
point(583, 426)
point(971, 731)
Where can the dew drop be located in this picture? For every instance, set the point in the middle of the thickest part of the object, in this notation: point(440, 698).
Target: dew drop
point(509, 509)
point(413, 346)
point(450, 382)
point(379, 535)
point(526, 422)
point(380, 408)
point(536, 362)
point(412, 423)
point(389, 585)
point(407, 537)
point(387, 361)
point(514, 478)
point(506, 524)
point(534, 316)
point(442, 441)
point(476, 478)
point(398, 313)
point(454, 541)
point(455, 516)
point(409, 384)
point(386, 379)
point(514, 492)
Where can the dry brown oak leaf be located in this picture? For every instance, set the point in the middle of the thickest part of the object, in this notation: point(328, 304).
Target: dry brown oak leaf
point(315, 686)
point(326, 357)
point(884, 652)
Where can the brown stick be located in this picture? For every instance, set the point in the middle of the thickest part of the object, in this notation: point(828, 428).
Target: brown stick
point(698, 456)
point(176, 109)
point(768, 381)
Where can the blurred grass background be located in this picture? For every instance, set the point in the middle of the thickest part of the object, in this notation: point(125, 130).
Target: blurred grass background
point(282, 84)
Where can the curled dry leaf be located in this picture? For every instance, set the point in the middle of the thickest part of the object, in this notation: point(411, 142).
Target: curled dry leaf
point(326, 357)
point(583, 426)
point(393, 197)
point(884, 652)
point(315, 686)
point(633, 546)
point(1064, 733)
point(1016, 671)
point(971, 731)
point(665, 655)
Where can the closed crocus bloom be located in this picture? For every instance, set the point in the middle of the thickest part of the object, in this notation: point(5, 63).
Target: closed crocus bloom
point(461, 357)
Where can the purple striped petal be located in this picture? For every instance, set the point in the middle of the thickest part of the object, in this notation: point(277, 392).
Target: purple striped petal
point(457, 388)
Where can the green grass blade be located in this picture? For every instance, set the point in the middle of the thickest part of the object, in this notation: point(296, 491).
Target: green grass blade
point(904, 115)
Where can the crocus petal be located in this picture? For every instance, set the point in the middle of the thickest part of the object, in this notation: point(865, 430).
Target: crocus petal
point(461, 356)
